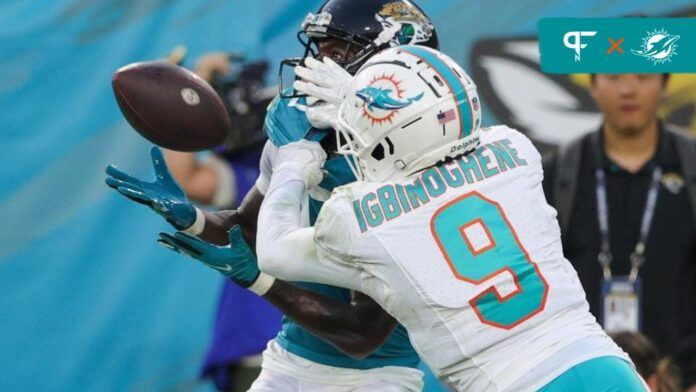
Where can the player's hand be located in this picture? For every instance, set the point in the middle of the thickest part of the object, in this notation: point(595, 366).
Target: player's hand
point(324, 80)
point(322, 115)
point(235, 260)
point(304, 157)
point(163, 195)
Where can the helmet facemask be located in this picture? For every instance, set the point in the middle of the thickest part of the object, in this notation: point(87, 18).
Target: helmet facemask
point(358, 50)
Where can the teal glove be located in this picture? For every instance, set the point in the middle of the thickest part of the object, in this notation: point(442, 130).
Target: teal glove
point(163, 195)
point(235, 260)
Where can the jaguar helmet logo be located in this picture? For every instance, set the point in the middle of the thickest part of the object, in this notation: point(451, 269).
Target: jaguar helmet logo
point(415, 26)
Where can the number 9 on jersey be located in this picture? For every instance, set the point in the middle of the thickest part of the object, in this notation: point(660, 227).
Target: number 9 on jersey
point(500, 253)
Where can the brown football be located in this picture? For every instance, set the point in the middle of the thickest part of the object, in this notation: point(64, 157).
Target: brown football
point(171, 106)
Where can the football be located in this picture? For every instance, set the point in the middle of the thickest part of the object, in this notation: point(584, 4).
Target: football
point(171, 106)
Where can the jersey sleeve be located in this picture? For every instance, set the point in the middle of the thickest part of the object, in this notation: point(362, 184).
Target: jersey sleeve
point(289, 251)
point(269, 157)
point(337, 233)
point(286, 120)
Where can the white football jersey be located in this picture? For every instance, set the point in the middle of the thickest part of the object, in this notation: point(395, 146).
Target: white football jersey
point(467, 256)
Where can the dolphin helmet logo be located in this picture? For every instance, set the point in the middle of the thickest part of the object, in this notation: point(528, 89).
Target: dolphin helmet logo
point(383, 98)
point(659, 47)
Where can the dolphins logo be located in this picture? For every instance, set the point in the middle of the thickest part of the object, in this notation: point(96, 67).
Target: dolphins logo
point(659, 46)
point(381, 98)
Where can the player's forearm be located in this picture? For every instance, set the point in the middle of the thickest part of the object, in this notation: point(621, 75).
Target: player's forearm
point(280, 249)
point(284, 249)
point(355, 328)
point(218, 223)
point(288, 251)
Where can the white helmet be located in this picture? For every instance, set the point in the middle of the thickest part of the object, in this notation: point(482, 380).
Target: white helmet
point(407, 108)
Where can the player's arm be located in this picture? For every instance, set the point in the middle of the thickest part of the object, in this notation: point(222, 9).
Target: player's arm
point(286, 250)
point(357, 328)
point(218, 223)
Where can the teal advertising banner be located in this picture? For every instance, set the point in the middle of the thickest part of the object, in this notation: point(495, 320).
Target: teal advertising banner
point(617, 45)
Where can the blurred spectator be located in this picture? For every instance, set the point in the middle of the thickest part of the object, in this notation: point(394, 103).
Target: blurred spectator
point(626, 199)
point(244, 322)
point(225, 176)
point(659, 372)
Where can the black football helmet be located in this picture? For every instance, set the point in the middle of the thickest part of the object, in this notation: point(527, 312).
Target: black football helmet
point(366, 27)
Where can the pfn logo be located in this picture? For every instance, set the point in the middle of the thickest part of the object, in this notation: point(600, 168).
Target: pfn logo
point(572, 40)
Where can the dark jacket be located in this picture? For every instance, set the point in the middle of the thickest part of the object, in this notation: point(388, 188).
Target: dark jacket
point(669, 273)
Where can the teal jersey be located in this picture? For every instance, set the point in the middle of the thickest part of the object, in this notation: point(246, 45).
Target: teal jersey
point(285, 123)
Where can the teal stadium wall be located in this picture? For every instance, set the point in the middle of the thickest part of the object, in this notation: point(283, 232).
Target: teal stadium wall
point(88, 301)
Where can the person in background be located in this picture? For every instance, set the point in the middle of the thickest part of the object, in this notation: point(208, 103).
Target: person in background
point(659, 372)
point(626, 201)
point(244, 322)
point(230, 169)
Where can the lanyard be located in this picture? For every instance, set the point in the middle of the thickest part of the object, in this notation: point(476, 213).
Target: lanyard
point(638, 255)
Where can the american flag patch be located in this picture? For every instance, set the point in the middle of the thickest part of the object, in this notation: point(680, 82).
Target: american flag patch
point(445, 117)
